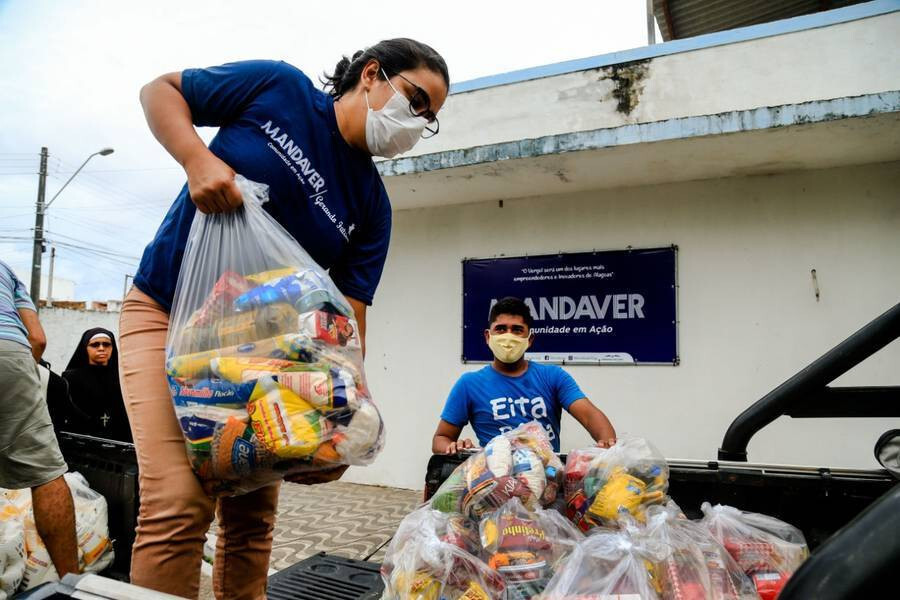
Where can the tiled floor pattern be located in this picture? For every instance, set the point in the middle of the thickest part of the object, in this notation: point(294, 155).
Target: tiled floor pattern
point(339, 518)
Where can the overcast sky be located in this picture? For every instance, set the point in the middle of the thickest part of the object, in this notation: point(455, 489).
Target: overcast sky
point(70, 74)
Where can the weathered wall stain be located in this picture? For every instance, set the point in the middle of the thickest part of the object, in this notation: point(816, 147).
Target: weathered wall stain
point(628, 83)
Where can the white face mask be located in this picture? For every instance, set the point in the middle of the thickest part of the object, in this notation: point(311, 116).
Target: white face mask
point(392, 129)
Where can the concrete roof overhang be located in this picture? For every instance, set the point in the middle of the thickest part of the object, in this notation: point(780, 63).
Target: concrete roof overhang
point(810, 135)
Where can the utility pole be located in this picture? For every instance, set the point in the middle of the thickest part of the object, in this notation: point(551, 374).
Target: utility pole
point(39, 232)
point(125, 289)
point(50, 279)
point(651, 24)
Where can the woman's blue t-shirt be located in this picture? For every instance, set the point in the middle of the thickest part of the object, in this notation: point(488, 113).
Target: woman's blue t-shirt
point(494, 403)
point(276, 128)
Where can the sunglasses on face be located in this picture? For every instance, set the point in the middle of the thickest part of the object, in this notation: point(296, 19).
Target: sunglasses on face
point(420, 106)
point(100, 345)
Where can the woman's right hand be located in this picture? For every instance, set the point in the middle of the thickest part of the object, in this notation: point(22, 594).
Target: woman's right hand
point(211, 183)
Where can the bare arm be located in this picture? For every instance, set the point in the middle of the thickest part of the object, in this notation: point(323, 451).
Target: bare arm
point(445, 439)
point(359, 310)
point(593, 419)
point(36, 336)
point(210, 181)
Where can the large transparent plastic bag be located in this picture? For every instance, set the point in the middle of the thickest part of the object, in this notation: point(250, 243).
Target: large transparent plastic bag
point(695, 566)
point(605, 485)
point(767, 549)
point(526, 546)
point(516, 464)
point(12, 548)
point(263, 356)
point(433, 556)
point(95, 550)
point(609, 563)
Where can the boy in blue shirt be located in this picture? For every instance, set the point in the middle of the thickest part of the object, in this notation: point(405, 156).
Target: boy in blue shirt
point(511, 390)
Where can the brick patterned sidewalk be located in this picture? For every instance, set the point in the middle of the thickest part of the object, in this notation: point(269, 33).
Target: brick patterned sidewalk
point(339, 518)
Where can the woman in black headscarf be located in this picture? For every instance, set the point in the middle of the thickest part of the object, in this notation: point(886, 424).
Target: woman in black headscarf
point(95, 404)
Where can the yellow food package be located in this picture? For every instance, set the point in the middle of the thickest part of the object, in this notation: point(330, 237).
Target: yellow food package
point(286, 424)
point(417, 586)
point(286, 347)
point(475, 592)
point(238, 369)
point(261, 278)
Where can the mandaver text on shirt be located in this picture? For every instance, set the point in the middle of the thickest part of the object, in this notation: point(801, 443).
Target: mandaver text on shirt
point(293, 152)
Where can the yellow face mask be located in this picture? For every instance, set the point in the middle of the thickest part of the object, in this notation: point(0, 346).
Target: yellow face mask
point(507, 347)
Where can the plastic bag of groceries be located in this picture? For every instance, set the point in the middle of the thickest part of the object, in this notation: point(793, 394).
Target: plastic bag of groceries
point(609, 563)
point(12, 548)
point(263, 356)
point(695, 565)
point(767, 549)
point(516, 464)
point(604, 485)
point(433, 556)
point(95, 550)
point(526, 546)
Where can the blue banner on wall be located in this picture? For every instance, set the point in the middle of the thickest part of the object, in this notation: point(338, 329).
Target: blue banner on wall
point(588, 307)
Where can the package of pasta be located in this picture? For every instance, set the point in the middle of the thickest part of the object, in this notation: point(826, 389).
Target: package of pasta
point(434, 556)
point(263, 356)
point(516, 464)
point(767, 549)
point(526, 546)
point(609, 563)
point(605, 485)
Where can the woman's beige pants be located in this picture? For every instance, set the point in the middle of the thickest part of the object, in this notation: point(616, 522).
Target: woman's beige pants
point(175, 512)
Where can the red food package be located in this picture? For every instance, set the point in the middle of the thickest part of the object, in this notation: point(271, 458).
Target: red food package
point(218, 304)
point(769, 585)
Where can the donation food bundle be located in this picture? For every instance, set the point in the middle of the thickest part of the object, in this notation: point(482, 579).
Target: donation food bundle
point(263, 357)
point(24, 560)
point(495, 530)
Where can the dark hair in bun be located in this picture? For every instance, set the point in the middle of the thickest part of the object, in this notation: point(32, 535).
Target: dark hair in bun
point(399, 54)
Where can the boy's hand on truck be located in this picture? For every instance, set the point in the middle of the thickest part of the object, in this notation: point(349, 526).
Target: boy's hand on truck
point(459, 446)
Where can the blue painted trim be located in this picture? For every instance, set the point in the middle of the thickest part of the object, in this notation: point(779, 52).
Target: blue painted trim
point(806, 113)
point(720, 38)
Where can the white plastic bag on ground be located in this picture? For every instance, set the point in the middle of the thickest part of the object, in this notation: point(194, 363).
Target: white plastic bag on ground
point(263, 356)
point(12, 549)
point(767, 549)
point(95, 550)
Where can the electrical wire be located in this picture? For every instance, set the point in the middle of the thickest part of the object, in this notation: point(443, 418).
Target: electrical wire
point(126, 260)
point(90, 244)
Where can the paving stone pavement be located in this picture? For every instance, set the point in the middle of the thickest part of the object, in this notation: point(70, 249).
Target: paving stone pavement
point(339, 518)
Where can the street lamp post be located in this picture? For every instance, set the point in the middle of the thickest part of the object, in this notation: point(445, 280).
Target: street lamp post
point(41, 209)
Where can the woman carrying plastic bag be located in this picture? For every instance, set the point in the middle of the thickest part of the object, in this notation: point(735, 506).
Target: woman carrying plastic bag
point(313, 149)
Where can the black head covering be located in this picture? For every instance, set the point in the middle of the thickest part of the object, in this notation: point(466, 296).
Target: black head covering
point(80, 359)
point(95, 404)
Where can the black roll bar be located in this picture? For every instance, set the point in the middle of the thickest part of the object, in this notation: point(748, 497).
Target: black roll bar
point(807, 395)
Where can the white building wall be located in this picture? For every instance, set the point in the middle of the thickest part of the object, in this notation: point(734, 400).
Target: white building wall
point(749, 317)
point(64, 327)
point(847, 59)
